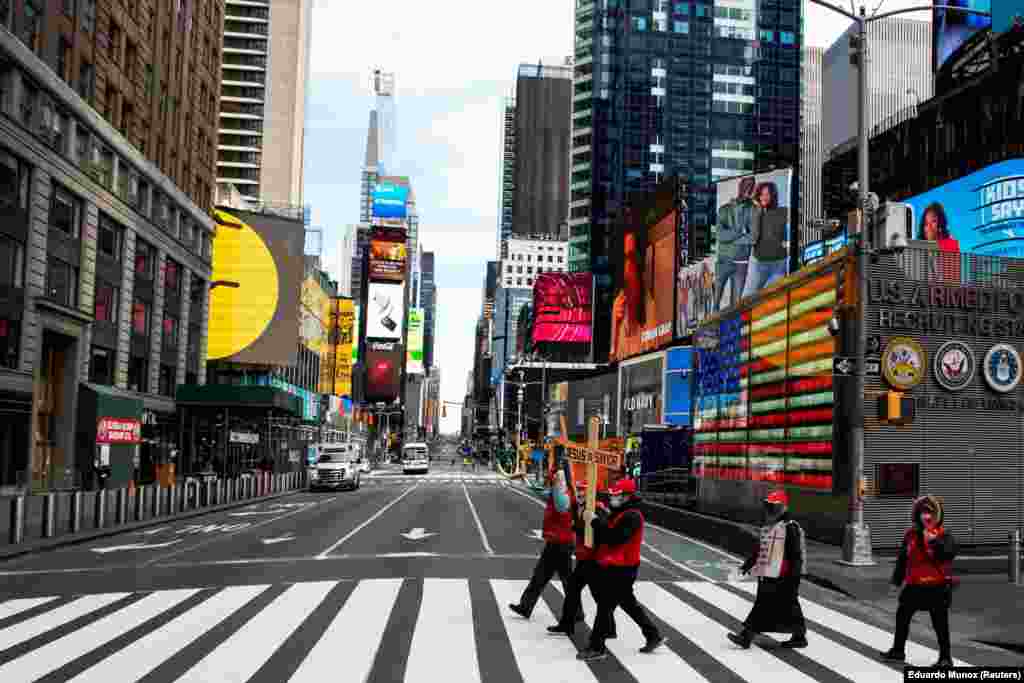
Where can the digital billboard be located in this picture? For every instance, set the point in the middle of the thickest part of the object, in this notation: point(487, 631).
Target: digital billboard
point(1008, 15)
point(388, 255)
point(695, 298)
point(414, 342)
point(752, 234)
point(345, 320)
point(355, 334)
point(982, 213)
point(389, 200)
point(385, 311)
point(383, 370)
point(642, 310)
point(562, 308)
point(952, 28)
point(255, 295)
point(315, 322)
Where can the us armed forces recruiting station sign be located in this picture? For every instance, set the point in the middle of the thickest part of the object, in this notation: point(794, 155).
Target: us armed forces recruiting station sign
point(947, 310)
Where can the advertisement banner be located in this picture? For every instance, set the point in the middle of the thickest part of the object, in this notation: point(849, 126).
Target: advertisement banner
point(982, 213)
point(383, 370)
point(562, 306)
point(414, 340)
point(642, 310)
point(386, 306)
point(343, 352)
point(388, 255)
point(355, 334)
point(752, 234)
point(314, 316)
point(952, 28)
point(118, 430)
point(389, 200)
point(696, 295)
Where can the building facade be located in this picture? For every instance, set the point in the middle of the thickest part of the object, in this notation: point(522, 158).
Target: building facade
point(812, 139)
point(263, 96)
point(428, 301)
point(341, 268)
point(527, 257)
point(106, 269)
point(507, 172)
point(899, 77)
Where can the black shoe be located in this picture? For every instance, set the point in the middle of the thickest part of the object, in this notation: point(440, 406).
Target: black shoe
point(943, 663)
point(893, 656)
point(794, 643)
point(652, 644)
point(558, 629)
point(520, 610)
point(589, 655)
point(742, 639)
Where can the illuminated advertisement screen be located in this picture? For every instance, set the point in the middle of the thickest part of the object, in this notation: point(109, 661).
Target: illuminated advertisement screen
point(343, 350)
point(388, 255)
point(982, 213)
point(255, 305)
point(385, 311)
point(355, 335)
point(389, 200)
point(1008, 15)
point(414, 342)
point(696, 295)
point(562, 308)
point(642, 310)
point(383, 370)
point(314, 316)
point(752, 234)
point(951, 28)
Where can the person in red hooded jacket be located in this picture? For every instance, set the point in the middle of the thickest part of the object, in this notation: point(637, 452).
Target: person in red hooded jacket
point(924, 569)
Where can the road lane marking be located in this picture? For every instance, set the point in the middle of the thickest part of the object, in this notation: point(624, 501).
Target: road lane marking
point(54, 655)
point(445, 617)
point(142, 656)
point(27, 630)
point(19, 605)
point(369, 521)
point(479, 524)
point(279, 539)
point(418, 534)
point(134, 546)
point(356, 631)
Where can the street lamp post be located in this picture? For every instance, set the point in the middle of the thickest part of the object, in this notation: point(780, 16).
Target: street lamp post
point(857, 537)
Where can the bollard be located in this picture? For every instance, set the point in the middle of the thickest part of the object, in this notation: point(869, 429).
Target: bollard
point(158, 501)
point(75, 524)
point(17, 519)
point(99, 509)
point(222, 496)
point(121, 511)
point(1015, 577)
point(172, 499)
point(49, 510)
point(140, 503)
point(209, 493)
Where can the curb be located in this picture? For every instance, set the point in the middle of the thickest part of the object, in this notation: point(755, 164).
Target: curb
point(48, 544)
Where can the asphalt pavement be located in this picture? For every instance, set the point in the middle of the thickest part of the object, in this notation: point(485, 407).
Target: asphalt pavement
point(399, 580)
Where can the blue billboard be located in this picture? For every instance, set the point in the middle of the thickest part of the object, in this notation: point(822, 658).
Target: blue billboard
point(1008, 15)
point(951, 28)
point(389, 201)
point(678, 386)
point(982, 213)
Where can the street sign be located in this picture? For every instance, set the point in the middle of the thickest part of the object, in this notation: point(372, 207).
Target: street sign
point(843, 366)
point(873, 367)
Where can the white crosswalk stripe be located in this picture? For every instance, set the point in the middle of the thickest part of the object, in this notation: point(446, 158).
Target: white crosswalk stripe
point(409, 629)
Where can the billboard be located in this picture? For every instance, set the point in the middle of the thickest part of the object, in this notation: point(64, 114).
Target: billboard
point(641, 401)
point(982, 213)
point(1008, 15)
point(355, 334)
point(752, 234)
point(383, 370)
point(678, 386)
point(385, 311)
point(345, 321)
point(315, 310)
point(255, 300)
point(562, 308)
point(389, 200)
point(388, 255)
point(695, 298)
point(952, 28)
point(414, 342)
point(642, 309)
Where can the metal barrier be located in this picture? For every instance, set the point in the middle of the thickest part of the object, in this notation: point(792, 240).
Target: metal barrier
point(49, 514)
point(99, 509)
point(17, 519)
point(139, 503)
point(121, 509)
point(75, 523)
point(1014, 558)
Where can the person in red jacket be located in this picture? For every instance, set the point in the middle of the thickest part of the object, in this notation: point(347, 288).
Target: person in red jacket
point(558, 545)
point(618, 539)
point(586, 573)
point(924, 569)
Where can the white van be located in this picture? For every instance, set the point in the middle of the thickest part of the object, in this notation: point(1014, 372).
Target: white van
point(337, 467)
point(415, 458)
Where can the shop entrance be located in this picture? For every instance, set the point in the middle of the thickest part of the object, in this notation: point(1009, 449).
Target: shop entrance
point(54, 419)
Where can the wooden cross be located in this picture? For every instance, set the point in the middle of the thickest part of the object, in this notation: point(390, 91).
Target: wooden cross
point(593, 457)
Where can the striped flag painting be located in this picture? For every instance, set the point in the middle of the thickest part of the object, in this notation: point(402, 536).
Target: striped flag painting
point(764, 404)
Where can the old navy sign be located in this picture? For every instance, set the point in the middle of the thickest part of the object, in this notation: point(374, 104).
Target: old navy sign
point(594, 456)
point(948, 310)
point(118, 430)
point(638, 402)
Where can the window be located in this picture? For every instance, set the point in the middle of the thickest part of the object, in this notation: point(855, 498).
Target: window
point(14, 177)
point(68, 8)
point(62, 282)
point(12, 263)
point(32, 23)
point(639, 23)
point(172, 277)
point(101, 366)
point(170, 335)
point(138, 374)
point(787, 37)
point(109, 238)
point(64, 59)
point(115, 43)
point(65, 211)
point(144, 258)
point(140, 318)
point(107, 299)
point(88, 15)
point(86, 81)
point(167, 382)
point(681, 27)
point(10, 336)
point(29, 103)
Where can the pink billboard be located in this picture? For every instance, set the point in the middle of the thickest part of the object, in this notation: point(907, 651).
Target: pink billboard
point(562, 308)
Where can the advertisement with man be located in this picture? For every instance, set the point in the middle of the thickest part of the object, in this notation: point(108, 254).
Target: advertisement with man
point(388, 255)
point(385, 311)
point(562, 308)
point(383, 370)
point(752, 234)
point(642, 310)
point(414, 341)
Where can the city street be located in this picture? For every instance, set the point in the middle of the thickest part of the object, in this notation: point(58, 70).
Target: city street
point(391, 582)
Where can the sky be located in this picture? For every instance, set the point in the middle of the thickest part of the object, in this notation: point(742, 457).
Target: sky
point(454, 63)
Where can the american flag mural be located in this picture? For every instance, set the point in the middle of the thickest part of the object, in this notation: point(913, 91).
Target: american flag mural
point(764, 396)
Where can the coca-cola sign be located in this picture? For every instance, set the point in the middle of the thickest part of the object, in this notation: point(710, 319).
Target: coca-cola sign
point(118, 430)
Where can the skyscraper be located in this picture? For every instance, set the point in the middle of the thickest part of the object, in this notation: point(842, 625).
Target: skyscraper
point(428, 300)
point(508, 173)
point(263, 101)
point(340, 267)
point(380, 140)
point(812, 137)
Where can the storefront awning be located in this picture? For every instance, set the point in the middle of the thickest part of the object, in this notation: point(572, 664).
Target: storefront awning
point(230, 396)
point(111, 402)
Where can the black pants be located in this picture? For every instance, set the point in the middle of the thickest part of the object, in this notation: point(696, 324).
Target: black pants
point(587, 573)
point(554, 559)
point(616, 590)
point(935, 601)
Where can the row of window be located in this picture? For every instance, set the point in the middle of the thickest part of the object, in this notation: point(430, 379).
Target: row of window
point(529, 269)
point(103, 370)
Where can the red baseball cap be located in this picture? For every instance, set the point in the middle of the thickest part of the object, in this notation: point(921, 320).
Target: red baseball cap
point(623, 486)
point(779, 497)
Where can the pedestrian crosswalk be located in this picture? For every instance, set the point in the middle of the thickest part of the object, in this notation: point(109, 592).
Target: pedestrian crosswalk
point(414, 630)
point(426, 479)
